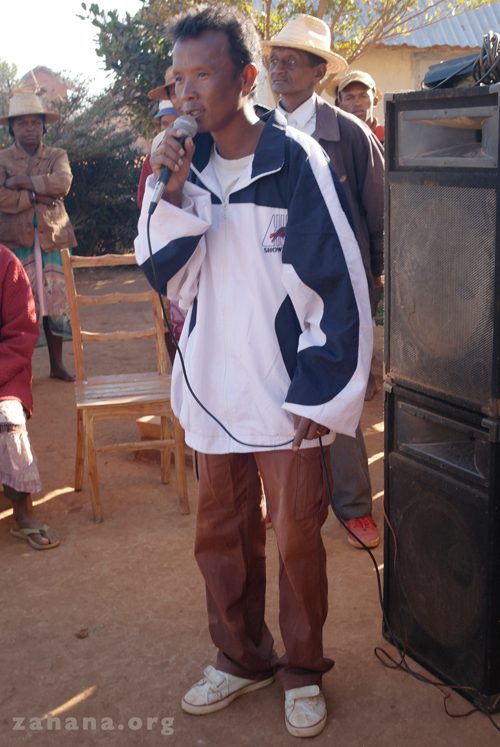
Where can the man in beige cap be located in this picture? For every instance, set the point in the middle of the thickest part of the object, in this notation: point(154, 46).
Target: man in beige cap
point(299, 58)
point(358, 95)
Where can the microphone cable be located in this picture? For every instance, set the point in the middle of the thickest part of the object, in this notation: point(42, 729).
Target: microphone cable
point(403, 663)
point(181, 358)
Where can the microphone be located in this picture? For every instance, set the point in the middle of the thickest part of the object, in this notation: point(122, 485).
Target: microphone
point(189, 127)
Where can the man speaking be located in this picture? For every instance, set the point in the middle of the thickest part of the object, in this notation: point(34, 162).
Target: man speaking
point(251, 238)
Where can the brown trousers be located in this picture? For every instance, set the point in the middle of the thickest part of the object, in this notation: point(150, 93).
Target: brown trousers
point(230, 551)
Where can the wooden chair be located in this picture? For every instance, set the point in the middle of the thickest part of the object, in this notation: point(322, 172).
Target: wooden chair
point(121, 396)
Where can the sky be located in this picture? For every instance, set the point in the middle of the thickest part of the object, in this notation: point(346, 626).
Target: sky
point(53, 36)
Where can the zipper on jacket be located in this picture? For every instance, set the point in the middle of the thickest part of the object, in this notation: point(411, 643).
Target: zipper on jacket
point(224, 314)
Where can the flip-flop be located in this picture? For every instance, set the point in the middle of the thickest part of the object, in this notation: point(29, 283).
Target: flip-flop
point(25, 534)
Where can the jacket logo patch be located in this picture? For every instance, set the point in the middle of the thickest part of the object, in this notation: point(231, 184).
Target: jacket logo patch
point(275, 234)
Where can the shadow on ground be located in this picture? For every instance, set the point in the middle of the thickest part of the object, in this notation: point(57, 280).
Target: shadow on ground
point(132, 584)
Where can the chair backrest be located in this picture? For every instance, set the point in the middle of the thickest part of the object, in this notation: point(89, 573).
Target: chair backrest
point(75, 300)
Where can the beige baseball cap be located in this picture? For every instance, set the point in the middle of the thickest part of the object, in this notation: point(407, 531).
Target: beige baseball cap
point(357, 76)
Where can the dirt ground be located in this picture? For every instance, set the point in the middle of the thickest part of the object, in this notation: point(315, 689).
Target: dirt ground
point(133, 584)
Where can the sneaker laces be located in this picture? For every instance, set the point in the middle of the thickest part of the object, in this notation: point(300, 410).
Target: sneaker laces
point(363, 522)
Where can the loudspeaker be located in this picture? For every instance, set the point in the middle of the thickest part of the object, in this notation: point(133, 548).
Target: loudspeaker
point(442, 298)
point(442, 565)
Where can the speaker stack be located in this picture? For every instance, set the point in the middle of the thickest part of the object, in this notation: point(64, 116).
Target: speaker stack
point(442, 383)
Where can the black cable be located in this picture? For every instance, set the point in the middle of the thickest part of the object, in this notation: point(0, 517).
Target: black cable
point(181, 358)
point(485, 67)
point(455, 72)
point(403, 662)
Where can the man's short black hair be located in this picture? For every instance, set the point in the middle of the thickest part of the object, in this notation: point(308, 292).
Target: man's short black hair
point(243, 40)
point(315, 59)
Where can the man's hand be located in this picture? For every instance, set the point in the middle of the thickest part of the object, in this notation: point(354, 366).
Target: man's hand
point(308, 429)
point(18, 182)
point(378, 282)
point(178, 160)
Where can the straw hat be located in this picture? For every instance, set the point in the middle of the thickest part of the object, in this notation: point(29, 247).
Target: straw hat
point(161, 93)
point(354, 76)
point(312, 35)
point(28, 103)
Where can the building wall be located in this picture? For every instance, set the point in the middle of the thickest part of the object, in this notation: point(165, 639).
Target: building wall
point(54, 88)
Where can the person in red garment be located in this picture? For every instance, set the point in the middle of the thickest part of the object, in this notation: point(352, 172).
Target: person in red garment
point(18, 336)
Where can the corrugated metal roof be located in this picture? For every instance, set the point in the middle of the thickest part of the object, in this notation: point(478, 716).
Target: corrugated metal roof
point(464, 30)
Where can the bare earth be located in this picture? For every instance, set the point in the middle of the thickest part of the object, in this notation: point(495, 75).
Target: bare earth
point(132, 586)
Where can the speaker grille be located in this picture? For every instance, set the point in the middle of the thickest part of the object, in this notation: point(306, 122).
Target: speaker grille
point(442, 260)
point(440, 607)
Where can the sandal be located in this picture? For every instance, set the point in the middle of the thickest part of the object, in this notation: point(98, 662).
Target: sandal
point(25, 534)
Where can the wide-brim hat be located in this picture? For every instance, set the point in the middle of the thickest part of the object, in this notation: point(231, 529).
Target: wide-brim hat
point(354, 76)
point(22, 104)
point(161, 92)
point(311, 35)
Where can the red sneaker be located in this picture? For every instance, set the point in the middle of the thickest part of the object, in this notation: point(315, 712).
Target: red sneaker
point(365, 529)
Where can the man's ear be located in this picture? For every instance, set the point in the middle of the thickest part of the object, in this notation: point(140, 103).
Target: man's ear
point(375, 101)
point(320, 71)
point(248, 78)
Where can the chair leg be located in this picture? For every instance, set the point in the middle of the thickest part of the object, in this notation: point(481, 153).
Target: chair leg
point(180, 468)
point(90, 455)
point(166, 453)
point(80, 452)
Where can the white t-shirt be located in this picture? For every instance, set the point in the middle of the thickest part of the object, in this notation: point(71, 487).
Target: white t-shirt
point(228, 171)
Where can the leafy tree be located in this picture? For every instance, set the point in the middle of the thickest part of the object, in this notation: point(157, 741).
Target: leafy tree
point(136, 51)
point(9, 80)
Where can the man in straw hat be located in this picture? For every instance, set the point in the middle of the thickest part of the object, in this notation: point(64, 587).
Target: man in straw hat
point(299, 57)
point(166, 92)
point(34, 223)
point(277, 345)
point(358, 95)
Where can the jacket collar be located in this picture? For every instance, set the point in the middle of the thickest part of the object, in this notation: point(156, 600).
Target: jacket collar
point(19, 152)
point(327, 125)
point(269, 155)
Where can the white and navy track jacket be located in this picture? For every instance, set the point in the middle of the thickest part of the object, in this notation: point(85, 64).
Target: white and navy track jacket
point(278, 313)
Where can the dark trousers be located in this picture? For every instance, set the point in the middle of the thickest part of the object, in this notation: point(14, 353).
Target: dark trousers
point(352, 488)
point(230, 551)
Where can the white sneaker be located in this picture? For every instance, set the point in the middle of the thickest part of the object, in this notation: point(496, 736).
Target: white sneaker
point(305, 711)
point(217, 690)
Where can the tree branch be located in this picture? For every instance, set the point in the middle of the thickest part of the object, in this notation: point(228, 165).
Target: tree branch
point(321, 9)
